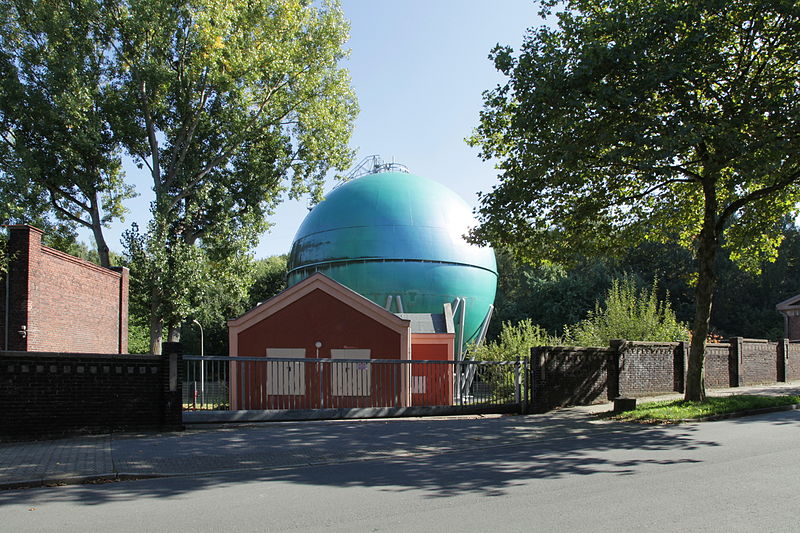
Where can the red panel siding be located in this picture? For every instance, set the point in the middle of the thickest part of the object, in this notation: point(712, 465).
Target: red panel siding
point(316, 316)
point(433, 383)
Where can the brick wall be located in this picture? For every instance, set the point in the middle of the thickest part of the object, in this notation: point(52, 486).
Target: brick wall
point(53, 394)
point(792, 361)
point(562, 376)
point(717, 365)
point(62, 303)
point(647, 367)
point(571, 376)
point(757, 362)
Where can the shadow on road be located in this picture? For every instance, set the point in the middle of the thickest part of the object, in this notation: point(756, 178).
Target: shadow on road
point(441, 457)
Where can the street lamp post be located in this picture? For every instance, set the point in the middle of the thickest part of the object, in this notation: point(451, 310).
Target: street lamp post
point(202, 368)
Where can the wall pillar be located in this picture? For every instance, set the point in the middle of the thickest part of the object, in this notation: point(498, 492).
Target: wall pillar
point(124, 280)
point(24, 247)
point(615, 364)
point(172, 385)
point(681, 354)
point(735, 361)
point(781, 355)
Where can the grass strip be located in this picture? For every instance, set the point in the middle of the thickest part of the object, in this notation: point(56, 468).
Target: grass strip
point(677, 410)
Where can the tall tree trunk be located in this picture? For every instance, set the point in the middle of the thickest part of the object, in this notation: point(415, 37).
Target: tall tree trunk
point(706, 280)
point(97, 230)
point(156, 322)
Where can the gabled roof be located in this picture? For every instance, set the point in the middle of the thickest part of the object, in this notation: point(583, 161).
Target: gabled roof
point(325, 284)
point(789, 304)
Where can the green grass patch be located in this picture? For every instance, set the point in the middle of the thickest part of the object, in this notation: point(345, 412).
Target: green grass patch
point(676, 410)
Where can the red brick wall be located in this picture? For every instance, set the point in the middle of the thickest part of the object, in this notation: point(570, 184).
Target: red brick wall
point(757, 362)
point(65, 304)
point(647, 368)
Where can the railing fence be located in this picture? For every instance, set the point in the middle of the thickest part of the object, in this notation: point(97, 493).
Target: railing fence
point(345, 387)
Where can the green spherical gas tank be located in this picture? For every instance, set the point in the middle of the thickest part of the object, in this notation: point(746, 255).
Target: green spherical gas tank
point(394, 233)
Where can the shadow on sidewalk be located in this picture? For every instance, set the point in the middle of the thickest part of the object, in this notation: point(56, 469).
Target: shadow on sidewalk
point(442, 457)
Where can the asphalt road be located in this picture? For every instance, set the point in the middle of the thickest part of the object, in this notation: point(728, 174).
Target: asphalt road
point(734, 475)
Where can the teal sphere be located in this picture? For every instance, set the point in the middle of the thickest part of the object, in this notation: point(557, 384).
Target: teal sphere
point(394, 233)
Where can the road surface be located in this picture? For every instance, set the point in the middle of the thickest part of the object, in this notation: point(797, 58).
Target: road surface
point(734, 475)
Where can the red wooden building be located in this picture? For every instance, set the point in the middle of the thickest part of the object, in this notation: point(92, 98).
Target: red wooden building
point(319, 318)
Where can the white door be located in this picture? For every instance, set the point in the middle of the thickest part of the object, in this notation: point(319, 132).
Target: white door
point(286, 377)
point(350, 378)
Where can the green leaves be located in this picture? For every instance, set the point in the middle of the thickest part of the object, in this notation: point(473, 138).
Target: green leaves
point(230, 105)
point(610, 125)
point(630, 313)
point(54, 118)
point(636, 121)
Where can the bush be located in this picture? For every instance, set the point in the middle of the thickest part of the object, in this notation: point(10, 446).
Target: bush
point(515, 340)
point(629, 313)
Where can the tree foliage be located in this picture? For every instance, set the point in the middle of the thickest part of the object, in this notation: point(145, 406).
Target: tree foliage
point(54, 114)
point(634, 121)
point(514, 341)
point(228, 105)
point(628, 311)
point(265, 279)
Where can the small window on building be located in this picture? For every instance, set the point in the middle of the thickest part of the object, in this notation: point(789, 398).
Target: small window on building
point(350, 378)
point(286, 377)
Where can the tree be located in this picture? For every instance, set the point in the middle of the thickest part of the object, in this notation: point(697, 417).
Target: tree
point(265, 279)
point(223, 102)
point(634, 121)
point(270, 279)
point(54, 117)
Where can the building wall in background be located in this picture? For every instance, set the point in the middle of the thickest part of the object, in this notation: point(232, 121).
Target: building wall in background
point(59, 303)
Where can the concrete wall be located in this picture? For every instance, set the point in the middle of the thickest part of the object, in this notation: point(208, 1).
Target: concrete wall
point(59, 303)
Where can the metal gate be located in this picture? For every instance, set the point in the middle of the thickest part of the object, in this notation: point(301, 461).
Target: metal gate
point(226, 389)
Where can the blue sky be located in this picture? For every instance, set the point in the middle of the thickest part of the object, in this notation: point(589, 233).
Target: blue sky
point(418, 69)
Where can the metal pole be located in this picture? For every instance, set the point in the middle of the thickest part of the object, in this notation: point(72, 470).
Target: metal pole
point(202, 368)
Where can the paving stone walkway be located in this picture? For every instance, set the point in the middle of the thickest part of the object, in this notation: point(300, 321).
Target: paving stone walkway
point(205, 450)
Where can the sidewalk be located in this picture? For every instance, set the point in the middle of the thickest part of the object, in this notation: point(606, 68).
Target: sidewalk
point(203, 450)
